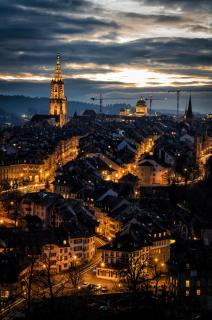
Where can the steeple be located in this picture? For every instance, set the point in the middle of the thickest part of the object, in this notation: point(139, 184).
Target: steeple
point(189, 113)
point(58, 100)
point(58, 73)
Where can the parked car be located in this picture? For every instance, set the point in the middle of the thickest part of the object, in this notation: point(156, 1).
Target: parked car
point(85, 285)
point(98, 286)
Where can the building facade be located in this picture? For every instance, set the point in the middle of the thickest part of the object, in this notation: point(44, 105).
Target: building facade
point(62, 256)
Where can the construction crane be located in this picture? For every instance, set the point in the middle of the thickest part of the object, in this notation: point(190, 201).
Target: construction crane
point(150, 99)
point(100, 99)
point(186, 90)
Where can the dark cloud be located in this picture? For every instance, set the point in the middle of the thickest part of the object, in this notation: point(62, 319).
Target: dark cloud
point(200, 28)
point(190, 5)
point(29, 20)
point(32, 32)
point(155, 18)
point(149, 52)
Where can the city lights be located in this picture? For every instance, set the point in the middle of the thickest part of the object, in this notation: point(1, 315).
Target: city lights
point(105, 159)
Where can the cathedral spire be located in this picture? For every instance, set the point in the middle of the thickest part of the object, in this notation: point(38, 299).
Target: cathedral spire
point(189, 113)
point(58, 73)
point(58, 100)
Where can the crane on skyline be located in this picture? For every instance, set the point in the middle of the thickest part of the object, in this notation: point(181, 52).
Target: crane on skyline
point(186, 90)
point(150, 102)
point(101, 99)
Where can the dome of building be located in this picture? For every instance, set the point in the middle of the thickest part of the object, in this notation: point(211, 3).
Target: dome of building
point(141, 108)
point(141, 102)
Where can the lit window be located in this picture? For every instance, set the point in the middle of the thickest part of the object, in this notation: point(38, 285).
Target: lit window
point(198, 292)
point(187, 283)
point(187, 293)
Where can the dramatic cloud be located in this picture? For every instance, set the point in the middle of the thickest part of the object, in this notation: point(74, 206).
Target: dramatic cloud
point(105, 45)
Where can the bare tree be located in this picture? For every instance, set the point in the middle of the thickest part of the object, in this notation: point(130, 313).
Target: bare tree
point(157, 272)
point(27, 283)
point(46, 276)
point(75, 274)
point(134, 274)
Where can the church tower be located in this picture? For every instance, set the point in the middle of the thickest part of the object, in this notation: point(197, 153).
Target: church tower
point(189, 113)
point(58, 100)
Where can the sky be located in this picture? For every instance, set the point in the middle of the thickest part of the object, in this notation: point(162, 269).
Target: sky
point(121, 49)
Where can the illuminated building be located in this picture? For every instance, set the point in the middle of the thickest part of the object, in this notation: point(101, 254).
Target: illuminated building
point(108, 227)
point(74, 249)
point(141, 108)
point(43, 168)
point(151, 172)
point(132, 242)
point(126, 111)
point(58, 100)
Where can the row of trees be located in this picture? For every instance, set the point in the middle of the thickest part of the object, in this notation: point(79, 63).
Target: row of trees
point(41, 282)
point(135, 276)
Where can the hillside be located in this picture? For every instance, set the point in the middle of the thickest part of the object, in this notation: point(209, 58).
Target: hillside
point(27, 105)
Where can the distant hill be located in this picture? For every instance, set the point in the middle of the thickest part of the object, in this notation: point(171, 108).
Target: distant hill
point(27, 105)
point(8, 117)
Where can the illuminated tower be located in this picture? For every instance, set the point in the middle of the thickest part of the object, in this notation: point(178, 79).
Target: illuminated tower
point(58, 100)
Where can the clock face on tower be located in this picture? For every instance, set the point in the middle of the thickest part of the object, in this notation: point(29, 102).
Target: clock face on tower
point(58, 100)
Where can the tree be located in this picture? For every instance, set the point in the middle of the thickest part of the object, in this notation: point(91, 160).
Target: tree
point(75, 274)
point(27, 283)
point(46, 277)
point(134, 275)
point(10, 201)
point(47, 185)
point(157, 272)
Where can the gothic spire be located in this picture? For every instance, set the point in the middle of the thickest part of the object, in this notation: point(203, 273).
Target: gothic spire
point(58, 73)
point(189, 113)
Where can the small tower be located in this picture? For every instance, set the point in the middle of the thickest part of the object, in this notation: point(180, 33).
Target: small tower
point(58, 100)
point(189, 113)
